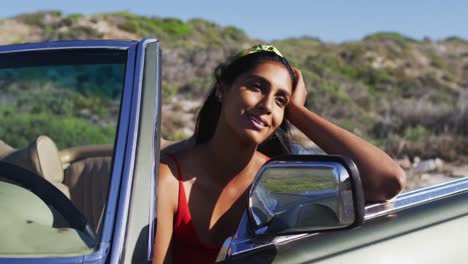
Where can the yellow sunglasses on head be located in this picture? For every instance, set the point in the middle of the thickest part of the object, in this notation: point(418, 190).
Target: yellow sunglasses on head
point(259, 48)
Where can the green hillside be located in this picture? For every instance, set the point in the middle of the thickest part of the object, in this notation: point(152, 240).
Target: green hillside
point(408, 96)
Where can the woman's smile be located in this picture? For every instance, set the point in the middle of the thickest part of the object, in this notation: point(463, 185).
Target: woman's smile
point(257, 122)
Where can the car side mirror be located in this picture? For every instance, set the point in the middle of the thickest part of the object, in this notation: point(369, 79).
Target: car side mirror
point(306, 193)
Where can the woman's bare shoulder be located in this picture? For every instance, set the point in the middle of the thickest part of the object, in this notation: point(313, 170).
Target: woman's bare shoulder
point(173, 159)
point(168, 178)
point(175, 147)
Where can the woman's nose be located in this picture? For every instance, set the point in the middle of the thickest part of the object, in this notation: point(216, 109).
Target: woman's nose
point(266, 103)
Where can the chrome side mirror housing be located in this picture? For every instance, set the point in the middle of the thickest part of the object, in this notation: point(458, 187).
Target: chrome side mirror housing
point(306, 193)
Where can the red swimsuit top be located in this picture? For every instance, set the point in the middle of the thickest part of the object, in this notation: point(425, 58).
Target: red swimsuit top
point(187, 247)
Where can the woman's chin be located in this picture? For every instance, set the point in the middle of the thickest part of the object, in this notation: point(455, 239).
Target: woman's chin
point(255, 137)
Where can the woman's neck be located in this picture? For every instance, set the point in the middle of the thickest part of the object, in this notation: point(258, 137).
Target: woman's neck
point(229, 155)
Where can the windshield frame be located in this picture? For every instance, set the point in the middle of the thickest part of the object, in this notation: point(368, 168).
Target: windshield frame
point(121, 138)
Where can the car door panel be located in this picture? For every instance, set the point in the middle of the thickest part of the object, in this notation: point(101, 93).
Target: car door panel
point(405, 236)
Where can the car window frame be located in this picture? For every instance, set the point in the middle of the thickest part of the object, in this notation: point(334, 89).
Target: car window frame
point(122, 154)
point(140, 204)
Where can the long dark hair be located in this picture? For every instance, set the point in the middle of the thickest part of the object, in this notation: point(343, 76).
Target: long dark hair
point(279, 143)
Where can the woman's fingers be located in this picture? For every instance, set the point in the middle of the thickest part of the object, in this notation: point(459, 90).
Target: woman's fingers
point(300, 92)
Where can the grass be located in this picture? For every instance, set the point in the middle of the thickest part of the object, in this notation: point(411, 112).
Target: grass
point(19, 129)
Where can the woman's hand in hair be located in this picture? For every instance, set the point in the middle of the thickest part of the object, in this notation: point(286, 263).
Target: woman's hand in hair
point(299, 94)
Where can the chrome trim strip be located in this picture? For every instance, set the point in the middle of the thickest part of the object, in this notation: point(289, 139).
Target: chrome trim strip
point(43, 260)
point(346, 210)
point(239, 246)
point(224, 251)
point(129, 162)
point(417, 197)
point(68, 44)
point(242, 241)
point(155, 153)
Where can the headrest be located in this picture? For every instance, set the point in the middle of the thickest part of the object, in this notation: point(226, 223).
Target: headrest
point(41, 157)
point(5, 149)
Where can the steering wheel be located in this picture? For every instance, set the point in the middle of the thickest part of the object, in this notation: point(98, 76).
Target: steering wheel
point(48, 193)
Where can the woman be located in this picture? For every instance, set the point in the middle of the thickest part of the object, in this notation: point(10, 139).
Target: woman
point(204, 186)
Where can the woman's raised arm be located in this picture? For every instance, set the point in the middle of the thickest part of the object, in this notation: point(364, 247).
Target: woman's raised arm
point(381, 176)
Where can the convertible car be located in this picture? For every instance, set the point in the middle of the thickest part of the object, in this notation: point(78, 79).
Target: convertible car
point(79, 143)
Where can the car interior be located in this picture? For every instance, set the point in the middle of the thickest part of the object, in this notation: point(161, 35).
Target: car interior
point(81, 173)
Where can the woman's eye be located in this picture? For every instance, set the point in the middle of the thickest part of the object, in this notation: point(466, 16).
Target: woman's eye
point(257, 86)
point(281, 101)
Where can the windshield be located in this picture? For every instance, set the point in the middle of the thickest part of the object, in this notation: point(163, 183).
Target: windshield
point(59, 111)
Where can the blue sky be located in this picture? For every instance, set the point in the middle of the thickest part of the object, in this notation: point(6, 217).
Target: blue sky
point(331, 20)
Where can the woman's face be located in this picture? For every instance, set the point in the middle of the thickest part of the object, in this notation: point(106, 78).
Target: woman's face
point(253, 106)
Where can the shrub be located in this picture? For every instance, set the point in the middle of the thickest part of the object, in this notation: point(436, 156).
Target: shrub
point(417, 133)
point(36, 18)
point(446, 147)
point(78, 32)
point(169, 89)
point(146, 26)
point(233, 34)
point(456, 39)
point(401, 40)
point(20, 129)
point(174, 26)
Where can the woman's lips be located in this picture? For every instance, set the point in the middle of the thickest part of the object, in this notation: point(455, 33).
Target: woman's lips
point(257, 122)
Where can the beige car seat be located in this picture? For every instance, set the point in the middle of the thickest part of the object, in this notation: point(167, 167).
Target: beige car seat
point(41, 157)
point(85, 180)
point(88, 181)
